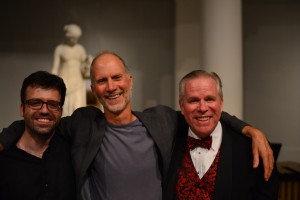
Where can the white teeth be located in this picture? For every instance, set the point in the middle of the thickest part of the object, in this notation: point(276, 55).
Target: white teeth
point(113, 97)
point(44, 120)
point(202, 118)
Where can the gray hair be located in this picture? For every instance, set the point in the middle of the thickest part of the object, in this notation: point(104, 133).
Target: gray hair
point(196, 74)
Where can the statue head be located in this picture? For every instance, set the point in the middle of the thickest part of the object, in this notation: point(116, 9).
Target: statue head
point(72, 33)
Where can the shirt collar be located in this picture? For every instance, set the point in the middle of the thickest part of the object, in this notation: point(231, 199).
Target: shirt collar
point(216, 136)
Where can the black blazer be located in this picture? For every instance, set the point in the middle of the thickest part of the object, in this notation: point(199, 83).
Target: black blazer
point(236, 179)
point(86, 129)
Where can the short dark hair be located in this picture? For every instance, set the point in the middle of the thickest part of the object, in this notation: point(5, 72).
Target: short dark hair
point(45, 80)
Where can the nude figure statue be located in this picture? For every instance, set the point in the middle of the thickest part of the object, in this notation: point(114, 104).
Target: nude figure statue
point(71, 63)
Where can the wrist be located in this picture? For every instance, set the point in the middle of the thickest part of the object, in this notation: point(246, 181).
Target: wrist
point(249, 131)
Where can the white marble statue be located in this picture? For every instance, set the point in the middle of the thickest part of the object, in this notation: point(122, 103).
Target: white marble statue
point(70, 63)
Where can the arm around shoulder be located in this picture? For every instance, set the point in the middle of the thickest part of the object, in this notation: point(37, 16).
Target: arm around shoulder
point(10, 135)
point(233, 121)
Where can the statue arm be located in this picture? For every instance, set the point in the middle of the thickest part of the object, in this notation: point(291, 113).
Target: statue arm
point(56, 61)
point(84, 54)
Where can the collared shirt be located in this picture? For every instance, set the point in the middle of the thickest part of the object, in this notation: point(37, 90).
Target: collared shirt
point(203, 158)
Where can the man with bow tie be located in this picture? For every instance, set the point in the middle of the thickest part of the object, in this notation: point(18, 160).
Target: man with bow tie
point(212, 160)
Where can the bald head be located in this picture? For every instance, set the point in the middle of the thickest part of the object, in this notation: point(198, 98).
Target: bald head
point(104, 58)
point(112, 85)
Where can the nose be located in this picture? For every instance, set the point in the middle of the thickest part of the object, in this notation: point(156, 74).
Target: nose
point(202, 106)
point(44, 108)
point(111, 86)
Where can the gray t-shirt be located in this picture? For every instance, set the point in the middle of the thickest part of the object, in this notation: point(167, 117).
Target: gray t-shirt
point(126, 166)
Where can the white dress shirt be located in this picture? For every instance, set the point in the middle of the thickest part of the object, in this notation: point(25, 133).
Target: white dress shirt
point(203, 158)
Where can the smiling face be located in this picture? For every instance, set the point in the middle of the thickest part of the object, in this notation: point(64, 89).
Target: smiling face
point(112, 84)
point(41, 123)
point(201, 105)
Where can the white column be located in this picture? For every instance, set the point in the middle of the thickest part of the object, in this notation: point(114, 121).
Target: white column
point(187, 40)
point(222, 44)
point(208, 35)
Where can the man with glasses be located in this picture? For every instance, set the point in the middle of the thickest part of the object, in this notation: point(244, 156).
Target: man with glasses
point(39, 165)
point(120, 153)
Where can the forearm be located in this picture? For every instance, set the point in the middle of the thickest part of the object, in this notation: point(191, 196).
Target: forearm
point(234, 122)
point(239, 125)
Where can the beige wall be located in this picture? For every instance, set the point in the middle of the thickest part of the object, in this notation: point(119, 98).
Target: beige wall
point(271, 71)
point(271, 49)
point(141, 31)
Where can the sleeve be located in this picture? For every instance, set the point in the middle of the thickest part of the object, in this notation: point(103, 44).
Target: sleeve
point(64, 127)
point(10, 135)
point(267, 189)
point(233, 121)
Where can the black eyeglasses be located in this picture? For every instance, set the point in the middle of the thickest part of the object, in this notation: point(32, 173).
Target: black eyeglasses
point(37, 104)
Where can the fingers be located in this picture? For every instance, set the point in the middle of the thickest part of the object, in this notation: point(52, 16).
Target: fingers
point(262, 149)
point(271, 156)
point(268, 168)
point(268, 161)
point(255, 158)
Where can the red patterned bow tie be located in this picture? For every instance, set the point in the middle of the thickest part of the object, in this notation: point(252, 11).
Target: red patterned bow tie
point(204, 143)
